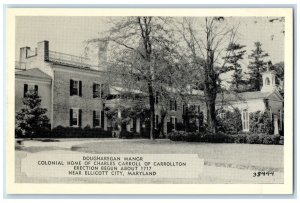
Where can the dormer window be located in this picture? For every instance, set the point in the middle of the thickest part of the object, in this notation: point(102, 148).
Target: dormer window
point(267, 81)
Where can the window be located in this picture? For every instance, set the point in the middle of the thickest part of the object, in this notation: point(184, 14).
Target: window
point(173, 105)
point(173, 121)
point(267, 81)
point(96, 90)
point(245, 120)
point(75, 117)
point(156, 121)
point(29, 88)
point(76, 87)
point(96, 118)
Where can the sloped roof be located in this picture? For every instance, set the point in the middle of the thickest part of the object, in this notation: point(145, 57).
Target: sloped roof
point(243, 96)
point(231, 96)
point(114, 90)
point(34, 72)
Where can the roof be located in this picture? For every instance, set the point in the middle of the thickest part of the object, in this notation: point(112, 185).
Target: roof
point(115, 90)
point(231, 96)
point(34, 72)
point(242, 96)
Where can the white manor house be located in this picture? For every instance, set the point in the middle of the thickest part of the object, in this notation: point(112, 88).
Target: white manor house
point(71, 91)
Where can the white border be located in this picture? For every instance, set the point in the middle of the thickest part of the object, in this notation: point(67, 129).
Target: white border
point(285, 188)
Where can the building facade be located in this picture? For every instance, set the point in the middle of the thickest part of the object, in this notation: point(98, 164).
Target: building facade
point(73, 92)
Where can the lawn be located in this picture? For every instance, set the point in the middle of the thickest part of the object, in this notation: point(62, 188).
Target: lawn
point(248, 156)
point(223, 163)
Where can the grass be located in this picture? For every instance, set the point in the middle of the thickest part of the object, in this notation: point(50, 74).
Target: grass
point(243, 156)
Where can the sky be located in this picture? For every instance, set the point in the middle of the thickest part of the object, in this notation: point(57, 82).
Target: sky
point(68, 34)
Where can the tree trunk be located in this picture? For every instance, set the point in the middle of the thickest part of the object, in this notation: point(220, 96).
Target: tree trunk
point(152, 110)
point(161, 129)
point(211, 115)
point(210, 90)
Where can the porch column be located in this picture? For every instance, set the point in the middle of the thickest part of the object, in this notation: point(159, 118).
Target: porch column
point(280, 119)
point(276, 132)
point(138, 125)
point(119, 119)
point(128, 127)
point(165, 126)
point(105, 122)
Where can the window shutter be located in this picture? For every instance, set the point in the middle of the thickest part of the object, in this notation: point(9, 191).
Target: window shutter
point(80, 88)
point(170, 104)
point(175, 103)
point(71, 116)
point(94, 90)
point(79, 117)
point(102, 119)
point(25, 89)
point(71, 87)
point(36, 89)
point(101, 91)
point(175, 127)
point(94, 118)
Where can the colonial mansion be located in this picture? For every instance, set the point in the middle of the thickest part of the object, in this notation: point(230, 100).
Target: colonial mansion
point(72, 92)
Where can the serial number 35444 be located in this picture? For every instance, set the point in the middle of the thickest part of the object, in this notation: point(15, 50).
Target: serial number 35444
point(263, 173)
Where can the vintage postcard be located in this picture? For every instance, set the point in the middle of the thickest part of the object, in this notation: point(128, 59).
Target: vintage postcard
point(149, 101)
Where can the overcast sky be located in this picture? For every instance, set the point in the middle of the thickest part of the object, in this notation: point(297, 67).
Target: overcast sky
point(67, 34)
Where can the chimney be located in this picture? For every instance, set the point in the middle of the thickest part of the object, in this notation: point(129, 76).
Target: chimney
point(43, 50)
point(23, 53)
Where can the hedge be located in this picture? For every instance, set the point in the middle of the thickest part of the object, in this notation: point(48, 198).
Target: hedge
point(224, 138)
point(71, 132)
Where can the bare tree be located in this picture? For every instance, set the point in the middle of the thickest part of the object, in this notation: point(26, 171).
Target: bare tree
point(142, 52)
point(207, 40)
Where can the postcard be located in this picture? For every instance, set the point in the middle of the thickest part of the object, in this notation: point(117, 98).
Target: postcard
point(149, 101)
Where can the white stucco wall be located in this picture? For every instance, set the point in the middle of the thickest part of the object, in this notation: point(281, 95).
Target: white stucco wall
point(252, 105)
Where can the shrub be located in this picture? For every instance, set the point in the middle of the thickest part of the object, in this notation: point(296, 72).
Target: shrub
point(177, 136)
point(200, 137)
point(231, 123)
point(253, 139)
point(194, 137)
point(128, 135)
point(224, 138)
point(240, 138)
point(31, 119)
point(261, 123)
point(180, 127)
point(71, 132)
point(18, 133)
point(87, 127)
point(219, 138)
point(271, 139)
point(281, 140)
